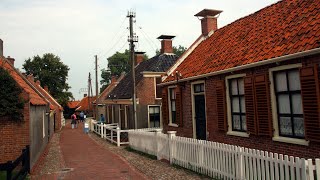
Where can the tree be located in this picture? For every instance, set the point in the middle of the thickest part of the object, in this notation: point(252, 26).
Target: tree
point(176, 50)
point(11, 103)
point(117, 63)
point(51, 72)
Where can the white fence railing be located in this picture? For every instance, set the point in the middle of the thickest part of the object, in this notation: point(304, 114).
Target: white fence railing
point(113, 133)
point(222, 160)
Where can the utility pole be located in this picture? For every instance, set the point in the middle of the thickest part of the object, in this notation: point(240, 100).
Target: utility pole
point(96, 62)
point(133, 39)
point(89, 90)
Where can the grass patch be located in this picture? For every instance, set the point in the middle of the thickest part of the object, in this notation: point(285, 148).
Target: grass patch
point(3, 174)
point(202, 176)
point(128, 148)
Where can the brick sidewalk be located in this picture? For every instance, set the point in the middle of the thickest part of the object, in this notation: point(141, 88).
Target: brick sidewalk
point(90, 160)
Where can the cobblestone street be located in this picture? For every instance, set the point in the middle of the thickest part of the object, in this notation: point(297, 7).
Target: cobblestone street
point(75, 155)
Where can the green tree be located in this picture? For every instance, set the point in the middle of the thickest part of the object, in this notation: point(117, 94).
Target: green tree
point(176, 50)
point(11, 103)
point(117, 63)
point(51, 72)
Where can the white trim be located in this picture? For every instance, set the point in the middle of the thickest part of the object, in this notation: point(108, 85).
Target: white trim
point(169, 105)
point(230, 131)
point(251, 65)
point(184, 56)
point(152, 74)
point(173, 125)
point(43, 125)
point(154, 105)
point(193, 106)
point(276, 136)
point(126, 116)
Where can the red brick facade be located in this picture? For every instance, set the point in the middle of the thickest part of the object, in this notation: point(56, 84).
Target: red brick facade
point(261, 142)
point(146, 91)
point(14, 135)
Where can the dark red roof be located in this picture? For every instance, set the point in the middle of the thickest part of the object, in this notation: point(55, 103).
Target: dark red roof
point(287, 27)
point(73, 104)
point(35, 98)
point(84, 103)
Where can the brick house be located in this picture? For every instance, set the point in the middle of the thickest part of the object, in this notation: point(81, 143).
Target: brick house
point(70, 108)
point(86, 105)
point(252, 83)
point(148, 75)
point(33, 128)
point(56, 110)
point(102, 108)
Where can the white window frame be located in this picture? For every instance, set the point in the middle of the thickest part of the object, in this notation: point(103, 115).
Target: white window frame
point(193, 106)
point(43, 125)
point(229, 117)
point(159, 112)
point(169, 107)
point(276, 136)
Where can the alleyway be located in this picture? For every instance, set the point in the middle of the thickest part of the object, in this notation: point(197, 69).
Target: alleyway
point(90, 160)
point(74, 155)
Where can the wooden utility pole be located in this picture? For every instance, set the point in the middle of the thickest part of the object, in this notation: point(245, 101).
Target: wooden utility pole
point(96, 62)
point(89, 90)
point(133, 39)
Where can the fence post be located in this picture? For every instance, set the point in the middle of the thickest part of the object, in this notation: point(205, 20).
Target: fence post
point(101, 131)
point(118, 136)
point(171, 135)
point(240, 164)
point(157, 133)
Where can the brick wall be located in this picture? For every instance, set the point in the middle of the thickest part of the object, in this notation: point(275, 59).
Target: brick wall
point(146, 91)
point(14, 135)
point(253, 141)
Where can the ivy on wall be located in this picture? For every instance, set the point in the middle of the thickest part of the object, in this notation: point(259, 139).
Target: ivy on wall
point(11, 104)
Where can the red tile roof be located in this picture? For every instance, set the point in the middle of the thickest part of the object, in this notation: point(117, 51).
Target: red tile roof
point(35, 98)
point(73, 104)
point(287, 27)
point(84, 103)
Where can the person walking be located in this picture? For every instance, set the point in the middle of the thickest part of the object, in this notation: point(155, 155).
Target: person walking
point(81, 115)
point(73, 120)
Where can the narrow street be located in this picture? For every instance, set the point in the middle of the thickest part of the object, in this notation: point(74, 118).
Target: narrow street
point(72, 154)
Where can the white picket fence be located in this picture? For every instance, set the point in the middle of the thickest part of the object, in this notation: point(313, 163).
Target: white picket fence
point(113, 133)
point(222, 160)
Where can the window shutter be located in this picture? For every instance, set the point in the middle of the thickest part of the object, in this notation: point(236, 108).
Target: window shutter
point(263, 105)
point(250, 105)
point(165, 111)
point(221, 105)
point(179, 111)
point(310, 99)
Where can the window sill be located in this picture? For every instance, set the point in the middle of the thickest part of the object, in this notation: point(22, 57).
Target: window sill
point(235, 133)
point(173, 125)
point(291, 140)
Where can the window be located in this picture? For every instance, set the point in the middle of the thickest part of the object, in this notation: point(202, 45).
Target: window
point(154, 116)
point(289, 104)
point(172, 105)
point(237, 104)
point(198, 88)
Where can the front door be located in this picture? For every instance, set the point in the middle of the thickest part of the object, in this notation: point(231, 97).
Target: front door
point(200, 117)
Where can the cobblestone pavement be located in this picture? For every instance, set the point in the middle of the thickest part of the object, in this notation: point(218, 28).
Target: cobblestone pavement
point(87, 159)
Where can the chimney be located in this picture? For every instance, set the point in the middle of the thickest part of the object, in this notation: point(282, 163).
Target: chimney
point(1, 48)
point(46, 88)
point(85, 95)
point(138, 57)
point(30, 78)
point(113, 79)
point(209, 20)
point(166, 43)
point(11, 60)
point(38, 82)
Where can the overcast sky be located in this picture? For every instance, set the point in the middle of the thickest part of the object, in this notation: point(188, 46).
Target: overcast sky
point(76, 30)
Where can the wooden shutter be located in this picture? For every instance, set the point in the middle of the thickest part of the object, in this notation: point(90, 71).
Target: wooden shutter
point(221, 105)
point(250, 105)
point(263, 105)
point(310, 100)
point(179, 111)
point(165, 111)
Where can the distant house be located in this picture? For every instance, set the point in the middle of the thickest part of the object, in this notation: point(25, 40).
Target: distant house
point(70, 108)
point(33, 129)
point(56, 110)
point(252, 83)
point(147, 75)
point(86, 105)
point(102, 108)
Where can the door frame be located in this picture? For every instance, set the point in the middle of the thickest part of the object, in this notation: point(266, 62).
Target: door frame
point(193, 106)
